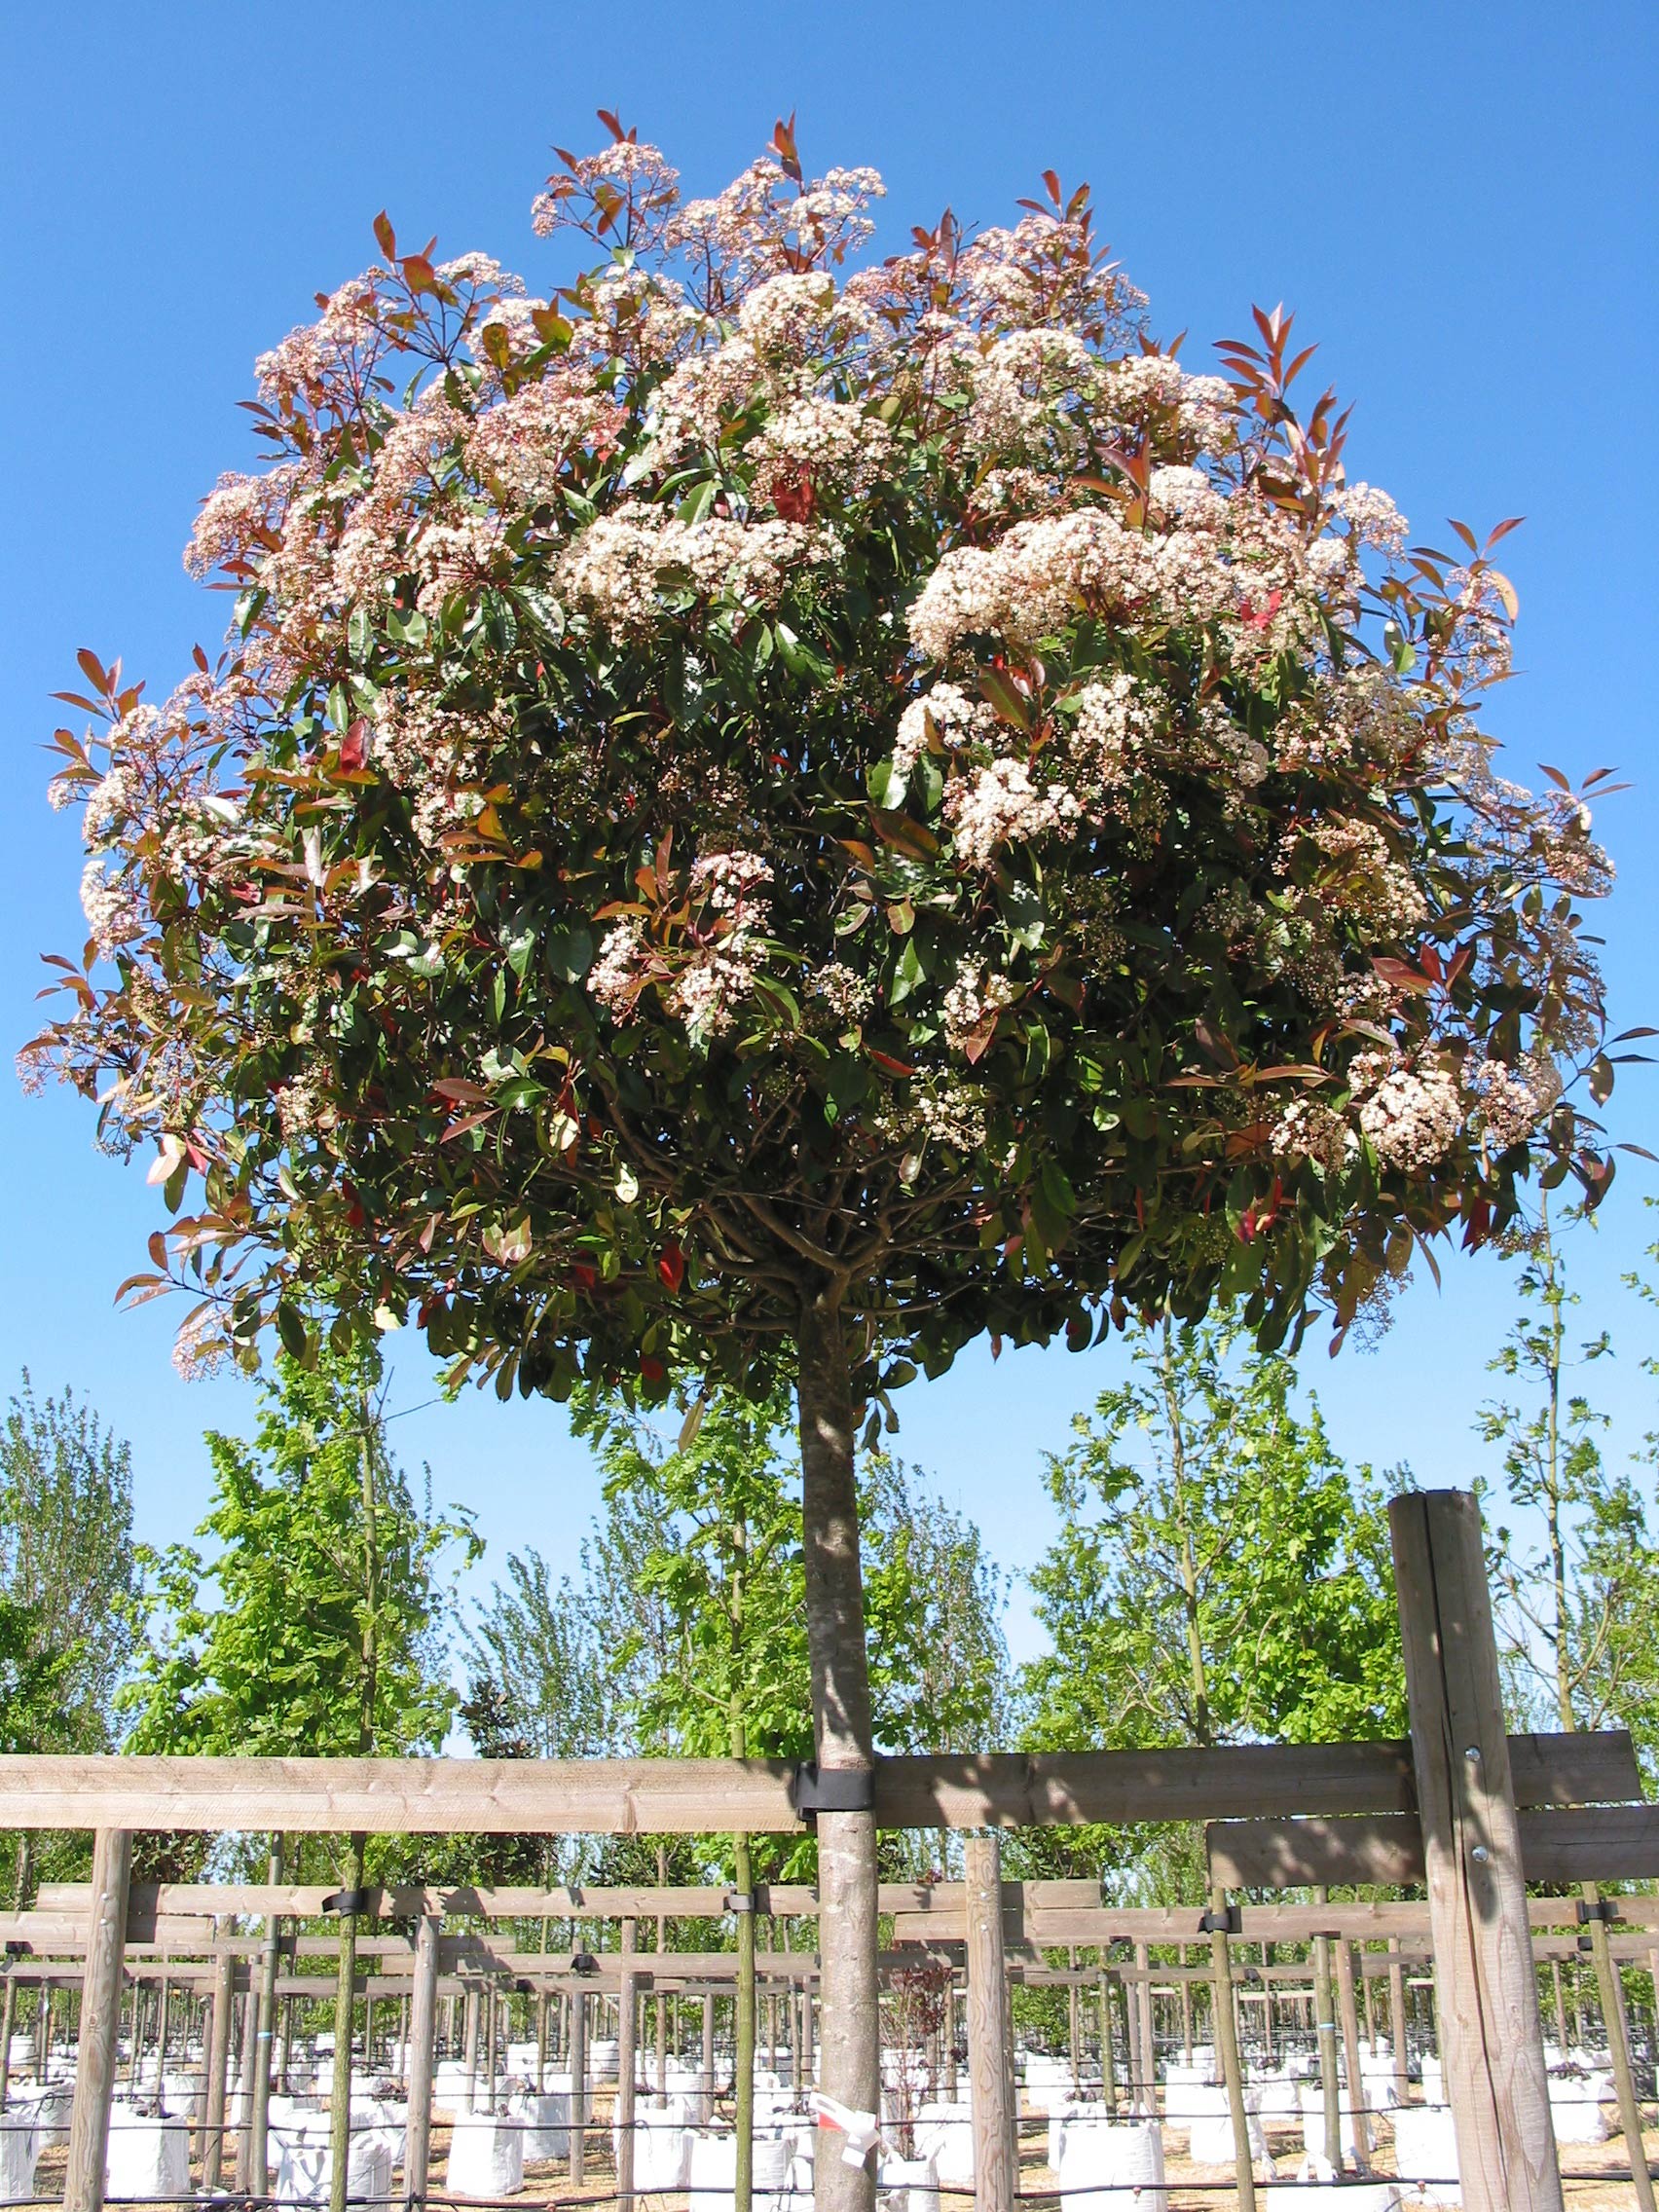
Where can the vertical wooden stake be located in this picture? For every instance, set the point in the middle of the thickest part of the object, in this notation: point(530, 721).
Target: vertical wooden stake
point(1397, 2019)
point(1108, 2072)
point(422, 2047)
point(100, 2021)
point(987, 2027)
point(1146, 2067)
point(705, 2063)
point(579, 2084)
point(1493, 2047)
point(223, 2005)
point(1611, 1992)
point(259, 2081)
point(1350, 2056)
point(627, 2011)
point(1227, 2050)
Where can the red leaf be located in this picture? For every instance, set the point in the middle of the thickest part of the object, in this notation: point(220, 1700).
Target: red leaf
point(354, 745)
point(652, 1372)
point(671, 1266)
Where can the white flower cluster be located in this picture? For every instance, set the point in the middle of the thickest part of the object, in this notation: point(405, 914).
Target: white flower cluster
point(972, 1002)
point(620, 564)
point(111, 909)
point(830, 443)
point(1514, 1100)
point(304, 1109)
point(955, 718)
point(524, 444)
point(1310, 1129)
point(848, 995)
point(998, 804)
point(1372, 516)
point(1412, 1117)
point(199, 1349)
point(1029, 583)
point(1365, 880)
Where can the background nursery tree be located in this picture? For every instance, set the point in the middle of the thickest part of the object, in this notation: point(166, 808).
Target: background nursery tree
point(313, 1631)
point(1219, 1575)
point(761, 819)
point(1580, 1610)
point(68, 1587)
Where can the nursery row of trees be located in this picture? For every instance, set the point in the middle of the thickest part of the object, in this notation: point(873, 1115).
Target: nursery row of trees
point(1218, 1573)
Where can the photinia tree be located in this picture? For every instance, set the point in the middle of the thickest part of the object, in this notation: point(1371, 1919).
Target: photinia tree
point(763, 817)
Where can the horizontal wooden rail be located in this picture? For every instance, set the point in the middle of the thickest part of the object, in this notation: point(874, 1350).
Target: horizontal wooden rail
point(1607, 1843)
point(714, 1796)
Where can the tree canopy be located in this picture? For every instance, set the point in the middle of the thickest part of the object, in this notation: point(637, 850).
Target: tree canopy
point(751, 775)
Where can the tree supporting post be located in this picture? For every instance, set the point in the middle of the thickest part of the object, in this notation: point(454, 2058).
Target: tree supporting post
point(100, 2021)
point(1227, 2050)
point(222, 2006)
point(259, 2079)
point(422, 2044)
point(627, 2013)
point(579, 2085)
point(1146, 2070)
point(1350, 2056)
point(705, 2063)
point(1612, 1993)
point(994, 2177)
point(1493, 2045)
point(1397, 2019)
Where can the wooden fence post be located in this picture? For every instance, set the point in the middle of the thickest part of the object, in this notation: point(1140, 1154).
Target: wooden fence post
point(419, 2055)
point(1492, 2048)
point(994, 2179)
point(100, 2021)
point(223, 2005)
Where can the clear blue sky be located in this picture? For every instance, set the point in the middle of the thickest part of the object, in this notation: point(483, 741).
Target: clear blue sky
point(1458, 201)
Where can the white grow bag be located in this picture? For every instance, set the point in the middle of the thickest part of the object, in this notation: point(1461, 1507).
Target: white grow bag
point(1112, 2166)
point(712, 2170)
point(20, 2147)
point(1316, 2187)
point(147, 2158)
point(1313, 2122)
point(662, 2147)
point(1426, 2153)
point(486, 2156)
point(1575, 2107)
point(545, 2116)
point(944, 2133)
point(907, 2185)
point(1211, 2137)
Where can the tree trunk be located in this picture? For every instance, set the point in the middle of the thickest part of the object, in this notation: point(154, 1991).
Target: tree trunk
point(848, 2045)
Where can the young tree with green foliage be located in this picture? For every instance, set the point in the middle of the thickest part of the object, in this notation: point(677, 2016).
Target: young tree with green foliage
point(1219, 1574)
point(1578, 1608)
point(68, 1585)
point(67, 1560)
point(315, 1628)
point(763, 819)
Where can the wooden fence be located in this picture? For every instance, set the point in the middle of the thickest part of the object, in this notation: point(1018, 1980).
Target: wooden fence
point(1462, 1807)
